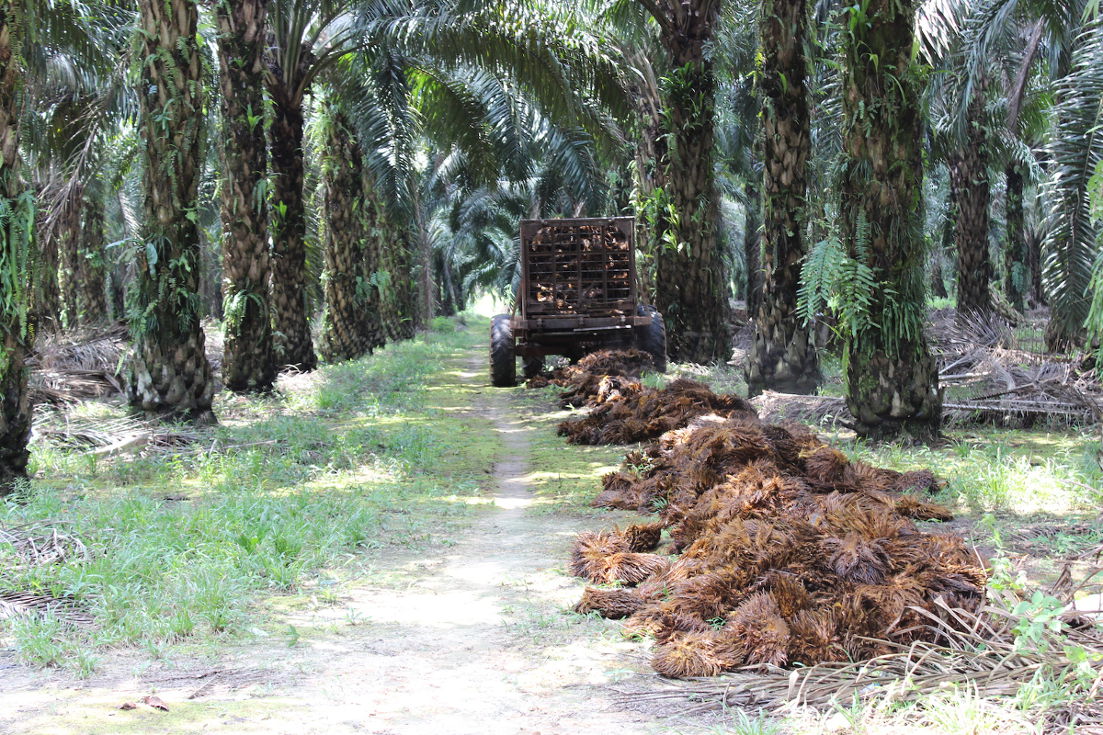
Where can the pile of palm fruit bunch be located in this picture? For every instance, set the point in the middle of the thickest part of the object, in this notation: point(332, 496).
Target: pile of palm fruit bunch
point(769, 548)
point(601, 376)
point(777, 550)
point(648, 413)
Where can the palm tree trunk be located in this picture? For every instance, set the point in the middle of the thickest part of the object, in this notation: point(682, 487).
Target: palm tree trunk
point(426, 287)
point(376, 240)
point(292, 343)
point(399, 297)
point(1033, 245)
point(969, 181)
point(90, 278)
point(210, 276)
point(17, 254)
point(48, 298)
point(68, 238)
point(752, 248)
point(446, 288)
point(650, 149)
point(891, 377)
point(1014, 252)
point(247, 361)
point(938, 280)
point(690, 282)
point(345, 325)
point(83, 272)
point(784, 356)
point(169, 373)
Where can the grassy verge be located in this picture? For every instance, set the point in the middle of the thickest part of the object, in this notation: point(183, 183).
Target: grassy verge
point(565, 476)
point(186, 544)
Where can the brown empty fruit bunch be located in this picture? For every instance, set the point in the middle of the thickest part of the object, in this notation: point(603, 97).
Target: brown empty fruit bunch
point(790, 553)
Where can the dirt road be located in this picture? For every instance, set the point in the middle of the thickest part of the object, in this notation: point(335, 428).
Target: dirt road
point(473, 639)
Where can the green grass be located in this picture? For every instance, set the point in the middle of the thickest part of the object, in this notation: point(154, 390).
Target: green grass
point(1000, 470)
point(564, 476)
point(187, 545)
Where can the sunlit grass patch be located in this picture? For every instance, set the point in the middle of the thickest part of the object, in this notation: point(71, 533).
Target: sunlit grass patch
point(1008, 470)
point(565, 476)
point(184, 544)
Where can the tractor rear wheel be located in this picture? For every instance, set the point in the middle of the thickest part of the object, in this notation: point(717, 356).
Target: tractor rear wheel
point(503, 360)
point(652, 338)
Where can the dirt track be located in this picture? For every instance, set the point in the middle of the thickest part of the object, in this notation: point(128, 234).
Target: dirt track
point(471, 640)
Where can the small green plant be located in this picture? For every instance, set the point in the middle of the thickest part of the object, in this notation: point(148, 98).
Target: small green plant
point(1039, 617)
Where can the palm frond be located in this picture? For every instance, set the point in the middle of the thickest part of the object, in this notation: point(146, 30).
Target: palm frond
point(1071, 247)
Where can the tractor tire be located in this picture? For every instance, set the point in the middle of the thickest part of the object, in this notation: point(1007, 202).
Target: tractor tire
point(503, 360)
point(533, 366)
point(652, 338)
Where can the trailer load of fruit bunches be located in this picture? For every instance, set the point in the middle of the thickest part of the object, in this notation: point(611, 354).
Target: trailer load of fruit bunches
point(579, 268)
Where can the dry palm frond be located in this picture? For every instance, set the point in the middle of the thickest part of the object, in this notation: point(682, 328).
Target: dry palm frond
point(67, 610)
point(103, 436)
point(36, 544)
point(69, 367)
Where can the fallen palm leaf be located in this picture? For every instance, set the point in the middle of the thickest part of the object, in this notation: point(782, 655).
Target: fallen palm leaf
point(42, 543)
point(21, 603)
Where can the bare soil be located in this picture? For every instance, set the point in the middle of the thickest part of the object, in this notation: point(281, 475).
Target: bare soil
point(472, 638)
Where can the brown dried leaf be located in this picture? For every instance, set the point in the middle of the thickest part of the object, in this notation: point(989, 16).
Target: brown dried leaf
point(155, 702)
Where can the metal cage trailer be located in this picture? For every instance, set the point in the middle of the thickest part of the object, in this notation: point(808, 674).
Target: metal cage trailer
point(577, 295)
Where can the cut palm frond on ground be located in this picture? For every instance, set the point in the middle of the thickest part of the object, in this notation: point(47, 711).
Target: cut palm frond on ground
point(67, 368)
point(110, 436)
point(42, 543)
point(15, 604)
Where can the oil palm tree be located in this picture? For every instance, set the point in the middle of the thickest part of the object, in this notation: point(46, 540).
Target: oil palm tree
point(784, 354)
point(351, 325)
point(691, 288)
point(306, 39)
point(17, 221)
point(247, 362)
point(891, 378)
point(85, 265)
point(169, 373)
